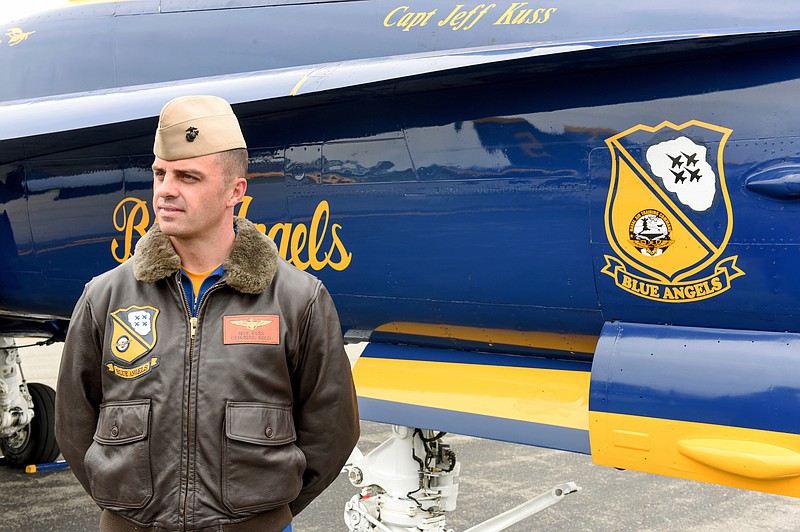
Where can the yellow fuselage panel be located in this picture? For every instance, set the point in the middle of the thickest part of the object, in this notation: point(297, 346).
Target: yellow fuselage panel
point(547, 396)
point(742, 458)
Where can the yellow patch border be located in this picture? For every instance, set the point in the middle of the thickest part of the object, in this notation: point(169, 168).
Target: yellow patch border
point(660, 287)
point(116, 321)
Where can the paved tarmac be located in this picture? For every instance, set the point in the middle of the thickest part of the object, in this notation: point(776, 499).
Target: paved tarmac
point(495, 477)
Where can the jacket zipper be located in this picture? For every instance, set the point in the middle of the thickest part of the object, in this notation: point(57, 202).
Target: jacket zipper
point(193, 324)
point(192, 332)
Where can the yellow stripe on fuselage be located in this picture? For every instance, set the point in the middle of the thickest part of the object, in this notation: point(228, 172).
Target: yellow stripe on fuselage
point(742, 458)
point(577, 343)
point(553, 397)
point(296, 88)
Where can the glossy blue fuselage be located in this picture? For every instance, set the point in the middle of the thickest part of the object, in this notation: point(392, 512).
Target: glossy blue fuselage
point(470, 197)
point(471, 182)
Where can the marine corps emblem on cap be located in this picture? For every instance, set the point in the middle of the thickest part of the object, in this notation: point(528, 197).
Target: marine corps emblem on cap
point(181, 120)
point(191, 134)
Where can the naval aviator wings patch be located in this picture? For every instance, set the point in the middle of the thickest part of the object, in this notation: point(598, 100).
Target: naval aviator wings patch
point(251, 329)
point(668, 214)
point(133, 335)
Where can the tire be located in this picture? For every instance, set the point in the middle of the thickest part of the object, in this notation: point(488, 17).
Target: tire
point(39, 442)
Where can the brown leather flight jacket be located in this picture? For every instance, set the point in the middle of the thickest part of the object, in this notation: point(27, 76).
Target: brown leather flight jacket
point(187, 424)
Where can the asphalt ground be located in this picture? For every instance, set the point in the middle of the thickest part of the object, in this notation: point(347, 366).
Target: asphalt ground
point(495, 477)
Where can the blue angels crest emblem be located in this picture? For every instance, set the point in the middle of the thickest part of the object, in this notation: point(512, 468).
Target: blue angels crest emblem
point(133, 335)
point(668, 215)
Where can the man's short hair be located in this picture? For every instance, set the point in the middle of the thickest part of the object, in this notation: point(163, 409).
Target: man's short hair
point(233, 163)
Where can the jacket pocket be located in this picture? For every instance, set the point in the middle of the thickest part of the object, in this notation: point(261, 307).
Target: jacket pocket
point(261, 466)
point(118, 461)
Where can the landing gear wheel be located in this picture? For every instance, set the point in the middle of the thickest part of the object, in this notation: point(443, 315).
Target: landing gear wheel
point(36, 443)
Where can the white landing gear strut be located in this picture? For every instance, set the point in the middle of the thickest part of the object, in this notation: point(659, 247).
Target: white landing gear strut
point(409, 482)
point(27, 413)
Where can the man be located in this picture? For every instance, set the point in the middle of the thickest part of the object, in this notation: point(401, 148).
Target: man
point(204, 384)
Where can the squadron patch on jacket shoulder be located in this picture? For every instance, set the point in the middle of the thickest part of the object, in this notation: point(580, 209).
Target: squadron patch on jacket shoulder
point(251, 329)
point(133, 335)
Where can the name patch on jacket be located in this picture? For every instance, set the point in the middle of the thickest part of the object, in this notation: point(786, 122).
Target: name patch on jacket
point(133, 335)
point(251, 329)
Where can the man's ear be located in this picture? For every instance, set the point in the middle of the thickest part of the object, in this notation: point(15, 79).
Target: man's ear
point(237, 192)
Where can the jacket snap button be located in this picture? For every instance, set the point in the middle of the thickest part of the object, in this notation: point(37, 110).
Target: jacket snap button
point(114, 431)
point(269, 432)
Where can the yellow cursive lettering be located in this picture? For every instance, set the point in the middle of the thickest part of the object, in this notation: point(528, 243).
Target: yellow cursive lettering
point(138, 219)
point(458, 19)
point(484, 9)
point(293, 240)
point(285, 229)
point(419, 19)
point(345, 257)
point(386, 21)
point(454, 16)
point(299, 239)
point(547, 15)
point(516, 15)
point(407, 20)
point(243, 207)
point(315, 236)
point(506, 17)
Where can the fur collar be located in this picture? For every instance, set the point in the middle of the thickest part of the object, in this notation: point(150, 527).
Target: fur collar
point(249, 268)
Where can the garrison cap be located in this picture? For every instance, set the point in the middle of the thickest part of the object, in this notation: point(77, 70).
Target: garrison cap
point(191, 126)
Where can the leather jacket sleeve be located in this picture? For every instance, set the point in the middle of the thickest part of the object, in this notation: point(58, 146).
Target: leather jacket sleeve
point(325, 412)
point(79, 388)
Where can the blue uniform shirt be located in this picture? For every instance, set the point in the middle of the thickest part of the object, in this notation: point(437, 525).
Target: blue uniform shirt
point(208, 282)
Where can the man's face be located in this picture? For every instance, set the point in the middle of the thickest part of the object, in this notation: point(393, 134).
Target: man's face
point(192, 199)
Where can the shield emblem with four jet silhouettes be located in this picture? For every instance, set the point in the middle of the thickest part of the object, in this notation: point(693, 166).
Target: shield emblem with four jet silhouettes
point(668, 214)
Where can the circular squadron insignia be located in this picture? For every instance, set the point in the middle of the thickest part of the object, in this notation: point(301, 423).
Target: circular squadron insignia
point(668, 214)
point(649, 232)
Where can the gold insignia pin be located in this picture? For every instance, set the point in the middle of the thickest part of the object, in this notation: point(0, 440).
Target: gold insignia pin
point(251, 324)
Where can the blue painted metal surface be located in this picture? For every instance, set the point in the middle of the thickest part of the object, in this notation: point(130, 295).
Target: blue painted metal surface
point(497, 428)
point(116, 44)
point(747, 379)
point(562, 412)
point(470, 192)
point(461, 357)
point(493, 173)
